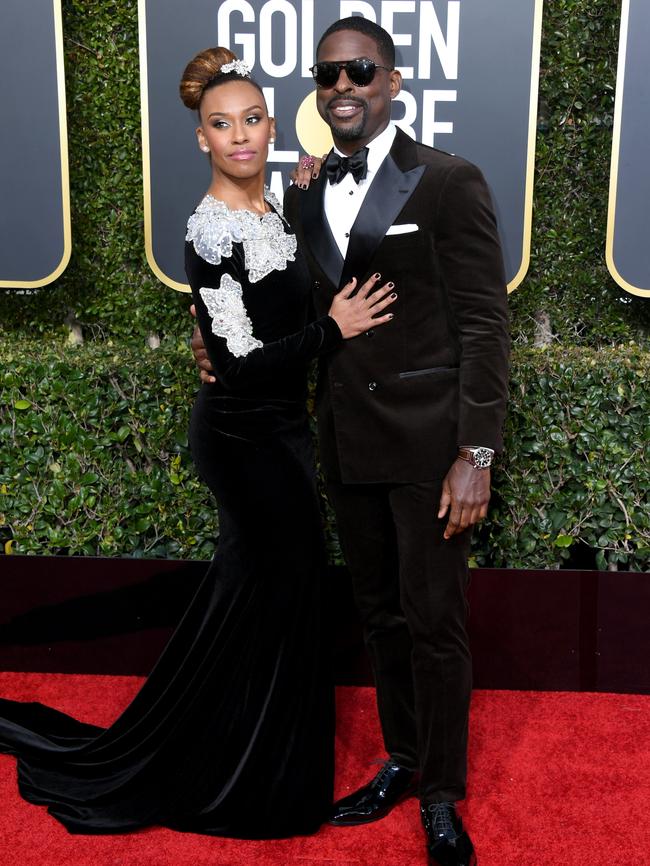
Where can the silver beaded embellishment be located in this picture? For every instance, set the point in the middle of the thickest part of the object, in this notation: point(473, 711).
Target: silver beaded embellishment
point(213, 228)
point(239, 66)
point(229, 317)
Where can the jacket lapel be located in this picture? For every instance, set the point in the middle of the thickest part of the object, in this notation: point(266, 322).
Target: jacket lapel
point(317, 233)
point(395, 182)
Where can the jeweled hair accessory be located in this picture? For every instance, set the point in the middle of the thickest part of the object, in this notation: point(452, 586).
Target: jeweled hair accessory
point(237, 66)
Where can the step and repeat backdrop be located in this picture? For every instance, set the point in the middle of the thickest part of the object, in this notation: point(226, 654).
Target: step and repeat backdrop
point(628, 228)
point(470, 72)
point(34, 193)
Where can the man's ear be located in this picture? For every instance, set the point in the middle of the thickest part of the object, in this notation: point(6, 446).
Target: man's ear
point(395, 82)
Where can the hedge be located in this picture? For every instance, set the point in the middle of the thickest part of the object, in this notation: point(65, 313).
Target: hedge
point(94, 459)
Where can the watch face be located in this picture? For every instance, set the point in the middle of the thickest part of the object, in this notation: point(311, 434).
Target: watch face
point(482, 457)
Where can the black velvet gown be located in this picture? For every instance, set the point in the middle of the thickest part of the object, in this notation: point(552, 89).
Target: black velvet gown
point(232, 733)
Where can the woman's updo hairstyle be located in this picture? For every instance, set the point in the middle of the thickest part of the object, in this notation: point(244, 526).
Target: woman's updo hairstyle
point(204, 72)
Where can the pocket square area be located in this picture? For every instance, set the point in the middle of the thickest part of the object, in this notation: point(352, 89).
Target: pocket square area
point(402, 229)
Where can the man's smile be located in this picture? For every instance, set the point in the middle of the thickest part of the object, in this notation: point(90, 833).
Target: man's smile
point(345, 108)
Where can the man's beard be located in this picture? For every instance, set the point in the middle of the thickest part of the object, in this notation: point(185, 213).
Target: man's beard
point(348, 133)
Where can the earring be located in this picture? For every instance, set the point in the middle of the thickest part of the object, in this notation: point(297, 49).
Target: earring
point(205, 148)
point(271, 141)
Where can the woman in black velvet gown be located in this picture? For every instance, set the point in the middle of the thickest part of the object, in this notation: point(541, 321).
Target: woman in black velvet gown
point(232, 733)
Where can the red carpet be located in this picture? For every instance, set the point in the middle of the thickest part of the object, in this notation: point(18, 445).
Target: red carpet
point(556, 779)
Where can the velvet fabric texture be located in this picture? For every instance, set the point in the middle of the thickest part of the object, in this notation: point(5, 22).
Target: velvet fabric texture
point(233, 732)
point(394, 404)
point(410, 588)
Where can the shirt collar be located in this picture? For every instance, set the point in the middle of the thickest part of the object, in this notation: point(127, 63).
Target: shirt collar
point(378, 148)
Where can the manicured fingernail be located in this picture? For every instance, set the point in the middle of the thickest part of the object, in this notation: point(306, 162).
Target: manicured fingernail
point(390, 316)
point(394, 295)
point(390, 285)
point(377, 276)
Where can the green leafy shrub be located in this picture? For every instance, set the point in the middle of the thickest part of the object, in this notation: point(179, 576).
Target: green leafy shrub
point(94, 459)
point(573, 488)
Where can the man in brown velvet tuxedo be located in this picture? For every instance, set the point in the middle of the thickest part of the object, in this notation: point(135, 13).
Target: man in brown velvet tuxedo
point(409, 415)
point(395, 406)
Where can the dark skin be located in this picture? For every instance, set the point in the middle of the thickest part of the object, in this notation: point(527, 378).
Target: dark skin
point(357, 115)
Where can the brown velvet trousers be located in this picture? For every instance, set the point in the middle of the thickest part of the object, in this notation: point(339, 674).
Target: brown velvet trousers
point(410, 587)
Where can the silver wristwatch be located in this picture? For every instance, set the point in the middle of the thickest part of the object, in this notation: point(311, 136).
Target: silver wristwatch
point(478, 456)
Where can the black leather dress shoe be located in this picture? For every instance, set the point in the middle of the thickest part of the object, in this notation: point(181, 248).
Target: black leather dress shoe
point(448, 843)
point(375, 800)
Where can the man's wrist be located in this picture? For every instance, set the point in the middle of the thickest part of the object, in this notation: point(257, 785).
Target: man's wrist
point(478, 456)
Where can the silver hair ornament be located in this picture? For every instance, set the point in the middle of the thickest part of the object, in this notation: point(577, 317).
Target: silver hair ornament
point(237, 66)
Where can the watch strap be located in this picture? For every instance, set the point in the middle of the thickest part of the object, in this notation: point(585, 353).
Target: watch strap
point(478, 456)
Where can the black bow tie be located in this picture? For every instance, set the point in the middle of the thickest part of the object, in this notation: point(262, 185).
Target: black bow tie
point(338, 166)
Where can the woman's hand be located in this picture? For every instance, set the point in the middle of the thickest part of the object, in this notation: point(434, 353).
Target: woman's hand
point(200, 355)
point(307, 170)
point(356, 312)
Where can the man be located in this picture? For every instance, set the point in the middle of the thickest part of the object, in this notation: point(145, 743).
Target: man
point(409, 415)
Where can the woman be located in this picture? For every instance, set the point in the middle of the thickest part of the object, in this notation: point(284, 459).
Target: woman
point(232, 733)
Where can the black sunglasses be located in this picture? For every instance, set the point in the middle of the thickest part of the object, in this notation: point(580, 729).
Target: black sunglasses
point(360, 71)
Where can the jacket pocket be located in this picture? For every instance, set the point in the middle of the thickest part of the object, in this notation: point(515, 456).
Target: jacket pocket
point(410, 374)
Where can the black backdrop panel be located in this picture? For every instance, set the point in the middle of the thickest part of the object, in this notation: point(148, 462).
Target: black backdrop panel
point(34, 194)
point(539, 630)
point(470, 87)
point(628, 250)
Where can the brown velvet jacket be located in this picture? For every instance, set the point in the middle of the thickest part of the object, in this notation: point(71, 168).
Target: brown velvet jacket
point(394, 404)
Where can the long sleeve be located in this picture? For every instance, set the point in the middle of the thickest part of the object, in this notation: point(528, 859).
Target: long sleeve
point(473, 275)
point(239, 358)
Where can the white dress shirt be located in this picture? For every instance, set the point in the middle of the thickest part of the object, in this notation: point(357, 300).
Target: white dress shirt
point(343, 200)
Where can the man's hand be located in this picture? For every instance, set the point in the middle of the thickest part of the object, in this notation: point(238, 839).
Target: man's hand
point(465, 495)
point(200, 355)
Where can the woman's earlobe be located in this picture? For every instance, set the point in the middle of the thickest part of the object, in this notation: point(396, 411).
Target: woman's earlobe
point(200, 139)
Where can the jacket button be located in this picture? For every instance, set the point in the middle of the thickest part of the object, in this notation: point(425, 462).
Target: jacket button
point(316, 284)
point(370, 333)
point(372, 386)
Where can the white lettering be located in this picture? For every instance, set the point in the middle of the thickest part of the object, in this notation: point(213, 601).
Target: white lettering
point(446, 48)
point(349, 7)
point(307, 31)
point(276, 184)
point(431, 126)
point(389, 9)
point(410, 112)
point(246, 40)
point(277, 155)
point(289, 38)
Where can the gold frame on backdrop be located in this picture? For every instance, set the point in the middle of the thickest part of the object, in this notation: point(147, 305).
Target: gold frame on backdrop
point(65, 174)
point(616, 148)
point(530, 156)
point(532, 142)
point(146, 160)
